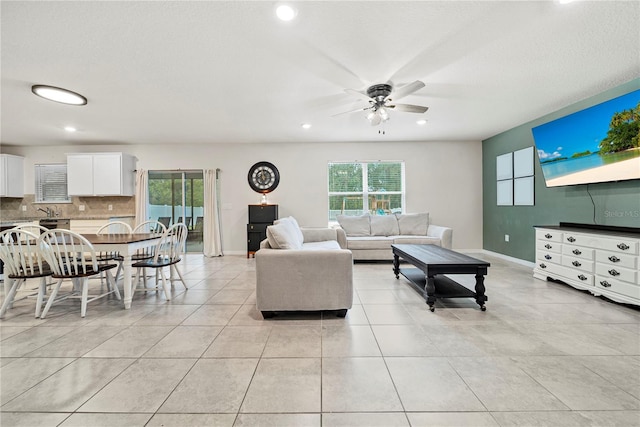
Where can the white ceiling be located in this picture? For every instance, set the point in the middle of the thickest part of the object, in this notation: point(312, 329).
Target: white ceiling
point(160, 72)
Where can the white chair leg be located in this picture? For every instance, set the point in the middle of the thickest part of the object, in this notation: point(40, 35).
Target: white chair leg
point(179, 275)
point(85, 296)
point(166, 287)
point(52, 297)
point(114, 285)
point(10, 289)
point(42, 292)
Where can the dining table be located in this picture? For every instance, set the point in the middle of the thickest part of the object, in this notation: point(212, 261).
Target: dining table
point(126, 245)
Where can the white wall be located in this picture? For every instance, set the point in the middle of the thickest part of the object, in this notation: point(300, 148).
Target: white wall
point(442, 178)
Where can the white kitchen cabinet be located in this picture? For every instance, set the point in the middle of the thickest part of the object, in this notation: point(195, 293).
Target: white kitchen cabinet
point(11, 176)
point(101, 174)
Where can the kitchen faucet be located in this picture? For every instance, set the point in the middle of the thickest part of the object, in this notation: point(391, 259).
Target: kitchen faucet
point(49, 212)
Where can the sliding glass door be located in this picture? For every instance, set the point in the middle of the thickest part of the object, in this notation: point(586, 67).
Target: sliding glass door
point(178, 196)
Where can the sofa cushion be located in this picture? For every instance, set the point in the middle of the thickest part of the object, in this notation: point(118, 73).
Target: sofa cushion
point(294, 225)
point(413, 224)
point(417, 240)
point(355, 225)
point(283, 236)
point(372, 242)
point(328, 245)
point(384, 225)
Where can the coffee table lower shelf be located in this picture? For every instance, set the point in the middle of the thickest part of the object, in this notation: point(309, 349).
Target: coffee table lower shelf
point(445, 287)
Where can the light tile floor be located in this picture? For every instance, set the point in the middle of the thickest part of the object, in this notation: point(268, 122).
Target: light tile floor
point(543, 354)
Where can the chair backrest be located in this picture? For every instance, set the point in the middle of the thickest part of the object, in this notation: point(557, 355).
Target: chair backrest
point(115, 227)
point(151, 226)
point(19, 252)
point(165, 220)
point(67, 253)
point(199, 223)
point(32, 228)
point(172, 243)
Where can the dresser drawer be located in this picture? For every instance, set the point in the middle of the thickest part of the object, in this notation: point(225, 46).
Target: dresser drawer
point(618, 287)
point(549, 235)
point(560, 272)
point(549, 246)
point(616, 258)
point(578, 251)
point(614, 272)
point(579, 263)
point(622, 244)
point(552, 257)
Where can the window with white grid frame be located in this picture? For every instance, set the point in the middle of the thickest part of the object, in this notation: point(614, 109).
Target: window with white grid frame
point(51, 183)
point(360, 187)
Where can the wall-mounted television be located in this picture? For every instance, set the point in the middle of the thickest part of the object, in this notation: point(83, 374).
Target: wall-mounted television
point(597, 144)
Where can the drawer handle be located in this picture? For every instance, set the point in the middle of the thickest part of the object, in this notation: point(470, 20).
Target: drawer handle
point(614, 258)
point(548, 236)
point(622, 246)
point(614, 272)
point(547, 257)
point(571, 239)
point(542, 265)
point(548, 246)
point(576, 252)
point(605, 284)
point(582, 277)
point(576, 264)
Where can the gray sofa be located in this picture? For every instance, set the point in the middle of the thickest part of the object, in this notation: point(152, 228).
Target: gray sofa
point(369, 237)
point(303, 270)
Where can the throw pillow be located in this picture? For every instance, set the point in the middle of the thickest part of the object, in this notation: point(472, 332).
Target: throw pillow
point(413, 224)
point(384, 225)
point(294, 225)
point(355, 225)
point(283, 236)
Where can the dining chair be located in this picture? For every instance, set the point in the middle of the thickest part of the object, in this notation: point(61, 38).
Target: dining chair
point(114, 227)
point(153, 227)
point(32, 228)
point(167, 253)
point(22, 261)
point(165, 220)
point(72, 256)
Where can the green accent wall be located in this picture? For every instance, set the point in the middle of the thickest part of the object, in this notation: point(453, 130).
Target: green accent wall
point(616, 203)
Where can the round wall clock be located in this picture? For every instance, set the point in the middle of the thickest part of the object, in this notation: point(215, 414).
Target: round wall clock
point(263, 177)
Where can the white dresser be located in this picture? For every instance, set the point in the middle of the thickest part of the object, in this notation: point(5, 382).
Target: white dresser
point(600, 259)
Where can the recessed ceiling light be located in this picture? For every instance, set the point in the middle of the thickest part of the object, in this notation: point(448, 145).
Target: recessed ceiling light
point(70, 129)
point(286, 12)
point(58, 94)
point(422, 122)
point(306, 126)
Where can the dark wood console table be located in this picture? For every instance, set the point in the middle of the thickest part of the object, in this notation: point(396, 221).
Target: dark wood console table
point(432, 263)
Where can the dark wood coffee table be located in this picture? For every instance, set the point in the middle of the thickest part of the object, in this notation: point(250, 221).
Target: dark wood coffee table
point(432, 263)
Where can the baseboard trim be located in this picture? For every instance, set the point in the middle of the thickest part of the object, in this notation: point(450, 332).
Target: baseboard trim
point(510, 258)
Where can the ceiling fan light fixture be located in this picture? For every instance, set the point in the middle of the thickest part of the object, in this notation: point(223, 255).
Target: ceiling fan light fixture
point(383, 114)
point(58, 94)
point(285, 12)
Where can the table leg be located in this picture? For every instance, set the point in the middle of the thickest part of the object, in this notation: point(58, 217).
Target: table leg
point(481, 298)
point(126, 281)
point(430, 289)
point(396, 265)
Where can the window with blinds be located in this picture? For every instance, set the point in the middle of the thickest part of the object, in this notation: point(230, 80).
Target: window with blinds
point(51, 183)
point(360, 187)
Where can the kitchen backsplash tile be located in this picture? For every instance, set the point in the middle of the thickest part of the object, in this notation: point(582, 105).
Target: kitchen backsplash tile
point(94, 207)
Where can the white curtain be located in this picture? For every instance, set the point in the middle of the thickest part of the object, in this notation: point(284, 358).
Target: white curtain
point(211, 230)
point(142, 193)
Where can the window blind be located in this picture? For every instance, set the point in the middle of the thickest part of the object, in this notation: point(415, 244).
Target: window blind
point(51, 183)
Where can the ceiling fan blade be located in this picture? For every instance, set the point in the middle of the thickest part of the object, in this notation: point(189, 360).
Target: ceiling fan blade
point(359, 95)
point(351, 111)
point(408, 108)
point(407, 90)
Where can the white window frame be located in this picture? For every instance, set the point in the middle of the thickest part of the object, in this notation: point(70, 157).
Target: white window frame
point(365, 190)
point(42, 173)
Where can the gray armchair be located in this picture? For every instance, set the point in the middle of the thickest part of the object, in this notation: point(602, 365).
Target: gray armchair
point(317, 277)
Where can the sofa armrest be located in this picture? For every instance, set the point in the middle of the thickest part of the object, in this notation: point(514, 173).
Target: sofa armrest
point(288, 279)
point(445, 234)
point(312, 234)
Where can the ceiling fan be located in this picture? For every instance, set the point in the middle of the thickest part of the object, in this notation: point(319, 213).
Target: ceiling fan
point(381, 98)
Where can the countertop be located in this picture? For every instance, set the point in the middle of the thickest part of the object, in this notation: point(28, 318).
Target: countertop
point(9, 221)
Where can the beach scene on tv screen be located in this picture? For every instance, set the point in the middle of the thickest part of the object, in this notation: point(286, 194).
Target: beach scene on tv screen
point(598, 144)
